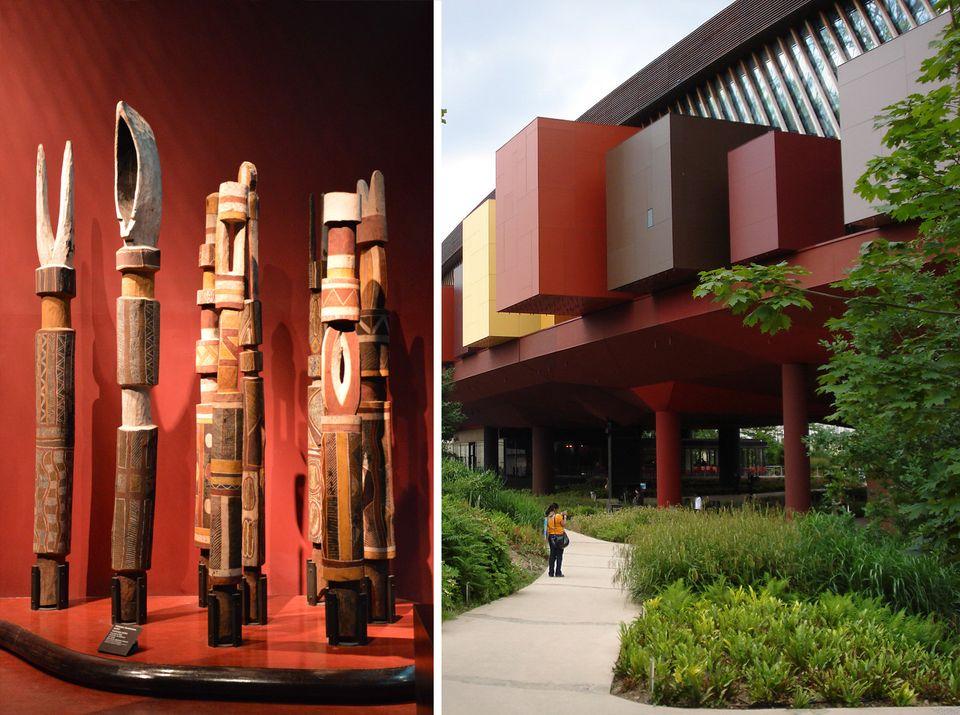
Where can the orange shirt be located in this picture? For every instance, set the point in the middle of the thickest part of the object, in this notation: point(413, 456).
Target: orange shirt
point(555, 523)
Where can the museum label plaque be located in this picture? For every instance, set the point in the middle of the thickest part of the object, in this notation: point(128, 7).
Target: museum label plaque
point(121, 639)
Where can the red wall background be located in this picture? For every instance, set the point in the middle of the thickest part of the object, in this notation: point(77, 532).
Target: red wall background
point(317, 95)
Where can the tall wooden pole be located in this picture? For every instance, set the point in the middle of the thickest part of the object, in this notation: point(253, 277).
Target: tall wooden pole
point(316, 268)
point(379, 547)
point(235, 479)
point(138, 200)
point(207, 352)
point(340, 426)
point(54, 349)
point(253, 535)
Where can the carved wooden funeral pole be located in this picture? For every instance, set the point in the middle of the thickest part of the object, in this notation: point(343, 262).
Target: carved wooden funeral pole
point(53, 359)
point(234, 479)
point(207, 352)
point(138, 199)
point(340, 426)
point(253, 532)
point(316, 268)
point(374, 338)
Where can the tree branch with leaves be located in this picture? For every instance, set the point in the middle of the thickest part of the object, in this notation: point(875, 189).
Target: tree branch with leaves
point(893, 372)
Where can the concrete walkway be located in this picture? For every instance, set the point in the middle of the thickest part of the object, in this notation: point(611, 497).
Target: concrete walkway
point(551, 647)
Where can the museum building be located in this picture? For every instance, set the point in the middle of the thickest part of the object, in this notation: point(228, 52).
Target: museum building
point(568, 316)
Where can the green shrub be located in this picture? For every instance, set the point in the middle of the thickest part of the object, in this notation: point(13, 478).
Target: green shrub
point(812, 553)
point(616, 526)
point(474, 487)
point(476, 556)
point(736, 645)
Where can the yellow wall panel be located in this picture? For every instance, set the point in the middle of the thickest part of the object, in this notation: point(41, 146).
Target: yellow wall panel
point(483, 326)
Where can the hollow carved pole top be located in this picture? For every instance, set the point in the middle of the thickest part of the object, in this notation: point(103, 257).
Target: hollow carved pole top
point(137, 186)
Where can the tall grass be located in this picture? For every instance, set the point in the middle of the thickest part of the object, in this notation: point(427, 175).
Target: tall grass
point(837, 555)
point(812, 553)
point(617, 526)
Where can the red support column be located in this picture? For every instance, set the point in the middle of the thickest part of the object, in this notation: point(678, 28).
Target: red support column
point(796, 462)
point(542, 460)
point(668, 459)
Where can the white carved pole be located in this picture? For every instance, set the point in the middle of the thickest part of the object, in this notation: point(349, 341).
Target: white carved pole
point(54, 349)
point(138, 200)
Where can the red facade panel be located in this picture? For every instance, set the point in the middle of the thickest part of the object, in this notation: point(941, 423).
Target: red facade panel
point(551, 218)
point(785, 194)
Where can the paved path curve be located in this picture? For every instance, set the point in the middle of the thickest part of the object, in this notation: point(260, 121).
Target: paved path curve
point(547, 648)
point(551, 646)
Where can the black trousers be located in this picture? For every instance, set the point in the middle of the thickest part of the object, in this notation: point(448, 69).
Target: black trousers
point(556, 555)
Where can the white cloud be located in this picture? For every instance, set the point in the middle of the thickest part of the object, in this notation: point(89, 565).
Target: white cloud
point(508, 61)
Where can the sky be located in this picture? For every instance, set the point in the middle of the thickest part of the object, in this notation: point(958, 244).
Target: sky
point(505, 62)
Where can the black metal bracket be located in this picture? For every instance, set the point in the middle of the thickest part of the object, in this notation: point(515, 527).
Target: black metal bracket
point(34, 588)
point(202, 585)
point(312, 599)
point(216, 639)
point(141, 599)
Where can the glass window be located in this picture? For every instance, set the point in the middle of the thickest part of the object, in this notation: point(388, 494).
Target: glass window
point(813, 89)
point(725, 102)
point(859, 26)
point(843, 34)
point(827, 77)
point(919, 10)
point(795, 93)
point(834, 52)
point(897, 14)
point(712, 104)
point(875, 15)
point(701, 105)
point(691, 107)
point(753, 101)
point(649, 218)
point(763, 87)
point(736, 93)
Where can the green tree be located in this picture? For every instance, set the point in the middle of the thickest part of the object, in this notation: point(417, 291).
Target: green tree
point(773, 436)
point(451, 411)
point(894, 366)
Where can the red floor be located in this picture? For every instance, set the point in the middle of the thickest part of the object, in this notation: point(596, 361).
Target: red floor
point(176, 633)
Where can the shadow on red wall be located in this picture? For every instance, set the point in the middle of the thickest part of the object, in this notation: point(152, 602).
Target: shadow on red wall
point(317, 95)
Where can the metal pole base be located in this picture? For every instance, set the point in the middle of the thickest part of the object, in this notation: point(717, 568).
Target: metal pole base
point(346, 613)
point(50, 593)
point(224, 617)
point(380, 590)
point(254, 595)
point(128, 598)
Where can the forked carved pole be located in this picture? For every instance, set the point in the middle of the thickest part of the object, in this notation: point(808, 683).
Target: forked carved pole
point(54, 349)
point(235, 477)
point(340, 427)
point(379, 546)
point(138, 200)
